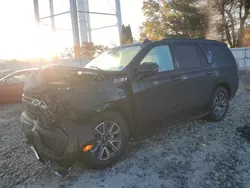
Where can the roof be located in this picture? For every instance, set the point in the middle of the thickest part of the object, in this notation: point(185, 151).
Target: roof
point(172, 41)
point(192, 40)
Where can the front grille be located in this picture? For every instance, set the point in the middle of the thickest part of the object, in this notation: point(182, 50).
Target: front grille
point(31, 111)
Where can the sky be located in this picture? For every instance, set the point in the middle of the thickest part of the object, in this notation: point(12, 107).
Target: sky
point(21, 38)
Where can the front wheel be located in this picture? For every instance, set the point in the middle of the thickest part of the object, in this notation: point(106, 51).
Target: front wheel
point(219, 104)
point(111, 140)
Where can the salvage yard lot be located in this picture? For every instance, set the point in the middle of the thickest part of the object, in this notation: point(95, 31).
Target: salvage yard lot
point(195, 154)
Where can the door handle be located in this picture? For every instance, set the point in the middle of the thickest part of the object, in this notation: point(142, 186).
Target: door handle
point(208, 73)
point(175, 79)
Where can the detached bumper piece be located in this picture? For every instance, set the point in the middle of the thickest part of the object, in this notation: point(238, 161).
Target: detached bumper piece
point(33, 148)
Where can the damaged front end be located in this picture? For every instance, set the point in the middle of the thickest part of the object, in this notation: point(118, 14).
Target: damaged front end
point(58, 102)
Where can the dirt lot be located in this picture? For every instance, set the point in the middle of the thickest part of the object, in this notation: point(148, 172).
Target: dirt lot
point(195, 154)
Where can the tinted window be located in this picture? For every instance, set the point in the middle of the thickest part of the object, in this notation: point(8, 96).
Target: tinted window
point(218, 54)
point(162, 56)
point(185, 56)
point(203, 60)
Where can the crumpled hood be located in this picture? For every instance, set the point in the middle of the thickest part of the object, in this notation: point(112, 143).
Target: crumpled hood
point(73, 92)
point(39, 80)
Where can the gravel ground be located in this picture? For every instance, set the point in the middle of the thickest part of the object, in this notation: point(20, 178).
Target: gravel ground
point(195, 154)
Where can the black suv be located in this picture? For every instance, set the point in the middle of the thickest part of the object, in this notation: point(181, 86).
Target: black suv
point(127, 92)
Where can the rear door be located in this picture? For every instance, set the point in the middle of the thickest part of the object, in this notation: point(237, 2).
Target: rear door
point(222, 60)
point(196, 77)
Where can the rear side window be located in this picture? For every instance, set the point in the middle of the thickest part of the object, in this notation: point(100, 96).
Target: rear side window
point(185, 56)
point(218, 54)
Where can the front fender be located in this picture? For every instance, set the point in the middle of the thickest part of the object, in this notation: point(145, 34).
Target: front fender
point(99, 97)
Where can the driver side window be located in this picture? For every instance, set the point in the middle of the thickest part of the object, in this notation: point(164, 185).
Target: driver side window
point(162, 56)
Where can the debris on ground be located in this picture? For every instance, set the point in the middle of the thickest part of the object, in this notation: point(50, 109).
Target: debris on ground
point(244, 131)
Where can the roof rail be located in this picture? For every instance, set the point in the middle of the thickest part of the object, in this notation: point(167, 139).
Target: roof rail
point(190, 39)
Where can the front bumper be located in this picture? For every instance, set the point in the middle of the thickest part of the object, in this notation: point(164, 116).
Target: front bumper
point(62, 144)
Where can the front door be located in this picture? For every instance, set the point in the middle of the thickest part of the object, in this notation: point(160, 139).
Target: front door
point(154, 95)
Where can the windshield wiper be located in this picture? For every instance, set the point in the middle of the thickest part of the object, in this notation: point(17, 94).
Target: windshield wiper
point(96, 68)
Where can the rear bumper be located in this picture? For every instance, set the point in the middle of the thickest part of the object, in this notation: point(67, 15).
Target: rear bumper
point(61, 145)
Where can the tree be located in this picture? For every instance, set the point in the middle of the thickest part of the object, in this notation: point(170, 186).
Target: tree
point(87, 51)
point(153, 26)
point(174, 18)
point(127, 37)
point(234, 14)
point(246, 42)
point(187, 18)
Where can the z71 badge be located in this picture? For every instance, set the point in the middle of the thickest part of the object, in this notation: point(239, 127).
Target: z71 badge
point(119, 80)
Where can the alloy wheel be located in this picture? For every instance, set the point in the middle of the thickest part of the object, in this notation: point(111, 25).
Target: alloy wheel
point(108, 140)
point(220, 104)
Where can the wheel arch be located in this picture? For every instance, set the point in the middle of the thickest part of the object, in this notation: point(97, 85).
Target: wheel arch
point(125, 115)
point(123, 109)
point(219, 86)
point(224, 85)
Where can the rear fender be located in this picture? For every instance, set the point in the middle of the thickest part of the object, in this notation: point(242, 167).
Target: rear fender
point(220, 82)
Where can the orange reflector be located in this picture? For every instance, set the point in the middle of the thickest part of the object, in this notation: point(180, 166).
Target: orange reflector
point(87, 148)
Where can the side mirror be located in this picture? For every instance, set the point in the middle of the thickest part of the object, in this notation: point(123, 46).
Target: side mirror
point(149, 67)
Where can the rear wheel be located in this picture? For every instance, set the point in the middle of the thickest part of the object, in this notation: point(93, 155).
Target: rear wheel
point(111, 140)
point(219, 104)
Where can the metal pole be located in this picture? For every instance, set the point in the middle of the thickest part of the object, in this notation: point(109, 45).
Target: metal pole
point(119, 17)
point(88, 21)
point(51, 7)
point(83, 21)
point(99, 13)
point(36, 10)
point(54, 15)
point(75, 29)
point(104, 27)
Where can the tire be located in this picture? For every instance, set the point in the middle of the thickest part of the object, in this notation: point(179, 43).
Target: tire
point(218, 105)
point(99, 157)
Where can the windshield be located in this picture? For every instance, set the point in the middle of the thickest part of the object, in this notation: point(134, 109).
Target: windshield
point(114, 59)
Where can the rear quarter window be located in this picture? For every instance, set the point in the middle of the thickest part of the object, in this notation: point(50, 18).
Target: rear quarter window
point(218, 54)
